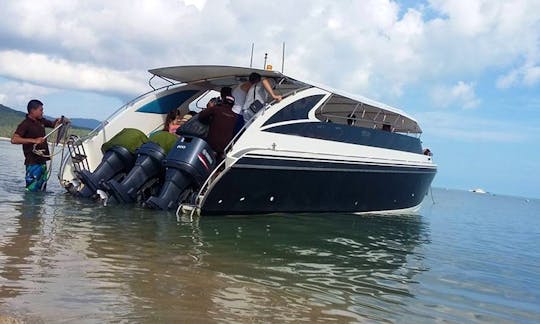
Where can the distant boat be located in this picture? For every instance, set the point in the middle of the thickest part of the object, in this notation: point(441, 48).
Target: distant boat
point(478, 190)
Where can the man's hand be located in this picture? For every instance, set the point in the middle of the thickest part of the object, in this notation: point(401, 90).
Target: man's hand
point(39, 140)
point(62, 119)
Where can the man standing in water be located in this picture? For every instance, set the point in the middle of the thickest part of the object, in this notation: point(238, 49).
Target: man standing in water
point(30, 132)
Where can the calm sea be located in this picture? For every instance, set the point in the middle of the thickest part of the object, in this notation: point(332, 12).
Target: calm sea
point(464, 258)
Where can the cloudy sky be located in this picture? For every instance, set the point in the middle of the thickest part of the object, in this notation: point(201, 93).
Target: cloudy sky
point(468, 70)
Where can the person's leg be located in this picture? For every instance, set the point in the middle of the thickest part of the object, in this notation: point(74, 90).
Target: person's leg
point(36, 175)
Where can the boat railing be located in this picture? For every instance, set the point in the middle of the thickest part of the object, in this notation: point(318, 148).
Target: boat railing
point(205, 186)
point(366, 122)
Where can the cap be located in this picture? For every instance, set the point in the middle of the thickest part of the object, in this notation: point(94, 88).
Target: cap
point(229, 100)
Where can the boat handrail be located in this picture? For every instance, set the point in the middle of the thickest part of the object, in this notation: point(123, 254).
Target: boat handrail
point(209, 180)
point(375, 123)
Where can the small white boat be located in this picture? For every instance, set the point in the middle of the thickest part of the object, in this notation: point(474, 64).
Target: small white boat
point(317, 150)
point(478, 190)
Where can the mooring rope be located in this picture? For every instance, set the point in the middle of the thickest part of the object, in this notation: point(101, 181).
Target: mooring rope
point(61, 131)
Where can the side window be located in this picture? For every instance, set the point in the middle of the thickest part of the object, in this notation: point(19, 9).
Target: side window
point(200, 103)
point(166, 103)
point(296, 110)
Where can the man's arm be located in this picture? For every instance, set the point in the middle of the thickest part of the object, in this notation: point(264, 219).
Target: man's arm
point(204, 115)
point(268, 87)
point(18, 139)
point(56, 122)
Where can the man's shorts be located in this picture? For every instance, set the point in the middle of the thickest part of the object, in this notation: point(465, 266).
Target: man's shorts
point(36, 175)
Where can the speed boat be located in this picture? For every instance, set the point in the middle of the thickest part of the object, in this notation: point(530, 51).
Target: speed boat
point(316, 150)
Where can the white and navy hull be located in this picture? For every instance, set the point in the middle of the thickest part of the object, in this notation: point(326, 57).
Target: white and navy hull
point(269, 184)
point(305, 153)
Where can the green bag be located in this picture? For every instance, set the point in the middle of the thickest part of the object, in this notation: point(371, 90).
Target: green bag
point(164, 139)
point(129, 138)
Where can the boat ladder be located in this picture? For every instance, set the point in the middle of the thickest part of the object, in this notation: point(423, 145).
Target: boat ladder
point(77, 153)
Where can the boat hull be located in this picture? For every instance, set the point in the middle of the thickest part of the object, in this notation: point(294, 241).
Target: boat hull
point(268, 185)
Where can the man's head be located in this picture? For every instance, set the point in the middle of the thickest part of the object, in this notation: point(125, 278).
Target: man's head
point(254, 78)
point(225, 91)
point(212, 102)
point(35, 109)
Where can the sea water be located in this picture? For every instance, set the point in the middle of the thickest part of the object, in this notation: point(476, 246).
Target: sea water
point(465, 257)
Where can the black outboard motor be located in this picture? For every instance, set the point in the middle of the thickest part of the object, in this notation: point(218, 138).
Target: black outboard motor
point(116, 160)
point(147, 167)
point(189, 163)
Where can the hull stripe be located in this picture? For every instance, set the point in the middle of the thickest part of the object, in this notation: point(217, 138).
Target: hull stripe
point(323, 169)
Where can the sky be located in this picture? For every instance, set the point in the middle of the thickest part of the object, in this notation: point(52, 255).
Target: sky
point(468, 71)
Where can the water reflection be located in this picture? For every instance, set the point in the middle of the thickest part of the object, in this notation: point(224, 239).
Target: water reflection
point(72, 260)
point(312, 266)
point(18, 242)
point(298, 267)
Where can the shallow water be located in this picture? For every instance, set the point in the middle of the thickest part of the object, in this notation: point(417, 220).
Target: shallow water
point(466, 257)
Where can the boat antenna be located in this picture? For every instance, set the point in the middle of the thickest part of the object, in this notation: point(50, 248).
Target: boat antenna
point(251, 59)
point(265, 57)
point(283, 58)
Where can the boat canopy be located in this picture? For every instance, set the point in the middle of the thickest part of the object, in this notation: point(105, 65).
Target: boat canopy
point(209, 73)
point(341, 105)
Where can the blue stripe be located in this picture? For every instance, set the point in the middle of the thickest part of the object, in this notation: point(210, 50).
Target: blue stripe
point(351, 135)
point(167, 103)
point(299, 163)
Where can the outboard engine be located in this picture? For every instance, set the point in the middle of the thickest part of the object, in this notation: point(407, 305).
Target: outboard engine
point(189, 163)
point(147, 167)
point(116, 160)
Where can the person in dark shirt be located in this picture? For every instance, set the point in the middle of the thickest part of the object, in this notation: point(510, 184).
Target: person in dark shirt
point(221, 120)
point(29, 132)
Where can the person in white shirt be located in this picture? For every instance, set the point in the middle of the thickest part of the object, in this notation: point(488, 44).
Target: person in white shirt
point(259, 90)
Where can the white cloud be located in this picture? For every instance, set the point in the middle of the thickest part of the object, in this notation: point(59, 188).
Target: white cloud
point(473, 130)
point(524, 76)
point(61, 73)
point(532, 76)
point(370, 47)
point(17, 94)
point(508, 80)
point(197, 3)
point(461, 94)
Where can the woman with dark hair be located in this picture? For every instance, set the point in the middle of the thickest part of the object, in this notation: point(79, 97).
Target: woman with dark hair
point(173, 121)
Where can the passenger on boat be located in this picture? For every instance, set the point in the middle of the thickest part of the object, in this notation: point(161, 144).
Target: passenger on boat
point(186, 117)
point(213, 102)
point(171, 123)
point(257, 95)
point(239, 93)
point(175, 118)
point(221, 120)
point(30, 132)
